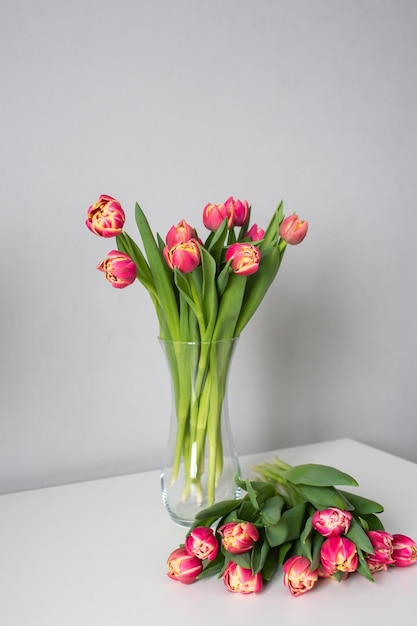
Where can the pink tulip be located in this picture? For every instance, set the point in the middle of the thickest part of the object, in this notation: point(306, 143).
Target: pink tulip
point(338, 554)
point(404, 550)
point(213, 216)
point(238, 537)
point(119, 269)
point(298, 576)
point(238, 210)
point(255, 233)
point(185, 256)
point(331, 522)
point(180, 233)
point(375, 566)
point(382, 544)
point(241, 580)
point(244, 257)
point(183, 567)
point(202, 543)
point(106, 217)
point(293, 230)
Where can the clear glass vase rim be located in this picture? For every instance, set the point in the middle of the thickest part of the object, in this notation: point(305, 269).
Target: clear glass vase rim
point(198, 343)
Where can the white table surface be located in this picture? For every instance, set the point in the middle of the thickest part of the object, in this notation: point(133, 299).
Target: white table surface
point(95, 553)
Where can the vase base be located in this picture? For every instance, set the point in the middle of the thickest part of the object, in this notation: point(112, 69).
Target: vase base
point(183, 512)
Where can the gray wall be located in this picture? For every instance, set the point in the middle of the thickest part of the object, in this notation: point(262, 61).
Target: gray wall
point(174, 104)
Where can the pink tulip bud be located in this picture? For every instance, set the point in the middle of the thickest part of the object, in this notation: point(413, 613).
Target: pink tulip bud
point(255, 233)
point(244, 257)
point(375, 566)
point(404, 550)
point(382, 544)
point(106, 217)
point(338, 554)
point(202, 543)
point(241, 580)
point(213, 216)
point(119, 269)
point(298, 576)
point(293, 230)
point(180, 233)
point(331, 522)
point(237, 211)
point(185, 256)
point(238, 537)
point(183, 567)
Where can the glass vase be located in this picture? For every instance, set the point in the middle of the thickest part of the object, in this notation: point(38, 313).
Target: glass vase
point(200, 463)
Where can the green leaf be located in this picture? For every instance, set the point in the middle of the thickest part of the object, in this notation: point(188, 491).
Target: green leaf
point(258, 555)
point(270, 564)
point(229, 308)
point(271, 232)
point(231, 237)
point(215, 242)
point(247, 512)
point(258, 491)
point(257, 286)
point(188, 323)
point(161, 242)
point(248, 487)
point(272, 509)
point(319, 475)
point(128, 246)
point(220, 509)
point(283, 551)
point(338, 575)
point(215, 567)
point(206, 521)
point(263, 491)
point(305, 538)
point(359, 536)
point(318, 541)
point(223, 279)
point(209, 292)
point(362, 505)
point(306, 547)
point(322, 497)
point(363, 568)
point(371, 522)
point(184, 286)
point(191, 321)
point(240, 559)
point(288, 527)
point(161, 275)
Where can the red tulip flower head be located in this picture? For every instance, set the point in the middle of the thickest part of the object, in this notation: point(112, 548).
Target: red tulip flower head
point(298, 576)
point(119, 269)
point(244, 258)
point(183, 567)
point(293, 230)
point(105, 217)
point(241, 580)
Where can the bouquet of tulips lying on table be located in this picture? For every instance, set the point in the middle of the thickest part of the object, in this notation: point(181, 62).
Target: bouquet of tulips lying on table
point(294, 517)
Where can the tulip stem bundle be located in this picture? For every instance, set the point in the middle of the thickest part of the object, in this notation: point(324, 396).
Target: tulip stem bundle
point(199, 376)
point(203, 293)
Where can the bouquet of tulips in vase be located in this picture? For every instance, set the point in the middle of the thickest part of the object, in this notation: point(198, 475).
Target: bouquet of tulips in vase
point(204, 294)
point(294, 517)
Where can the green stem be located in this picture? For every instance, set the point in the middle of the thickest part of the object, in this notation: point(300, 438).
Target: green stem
point(199, 377)
point(219, 365)
point(275, 473)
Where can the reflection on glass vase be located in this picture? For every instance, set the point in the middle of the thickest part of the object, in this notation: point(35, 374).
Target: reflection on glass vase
point(200, 463)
